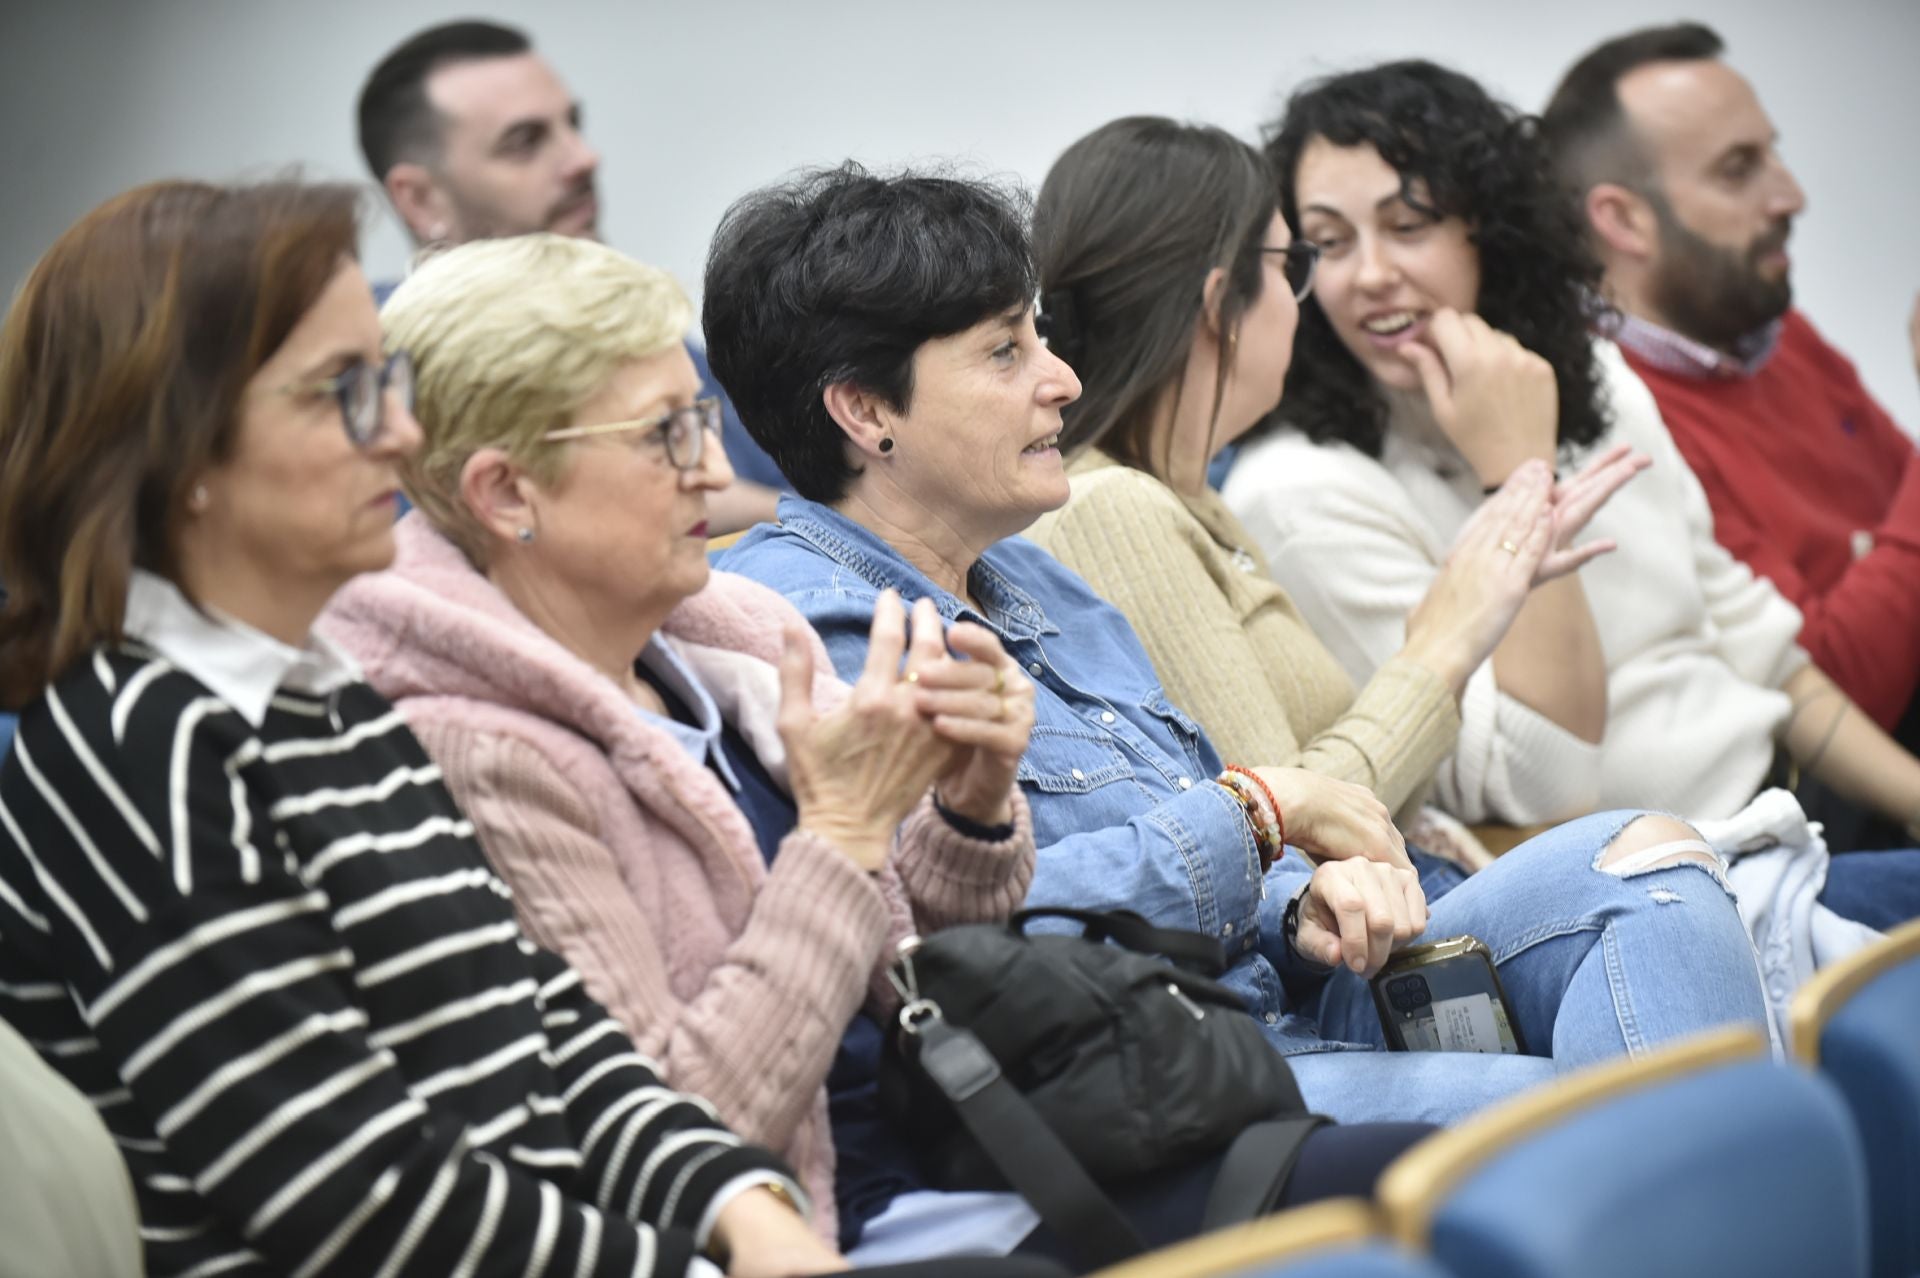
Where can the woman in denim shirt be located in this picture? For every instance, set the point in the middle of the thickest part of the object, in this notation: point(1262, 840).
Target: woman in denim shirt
point(877, 336)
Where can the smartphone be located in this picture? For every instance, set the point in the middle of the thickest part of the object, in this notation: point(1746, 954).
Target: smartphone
point(1445, 997)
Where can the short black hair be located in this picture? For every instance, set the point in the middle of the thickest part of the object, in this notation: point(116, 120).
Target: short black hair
point(1584, 126)
point(840, 275)
point(396, 120)
point(1480, 161)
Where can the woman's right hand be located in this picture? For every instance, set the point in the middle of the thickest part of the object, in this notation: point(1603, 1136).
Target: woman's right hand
point(1495, 399)
point(1519, 538)
point(1493, 564)
point(858, 770)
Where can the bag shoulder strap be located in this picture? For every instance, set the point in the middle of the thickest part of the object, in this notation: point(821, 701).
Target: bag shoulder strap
point(1134, 932)
point(1027, 1152)
point(1255, 1168)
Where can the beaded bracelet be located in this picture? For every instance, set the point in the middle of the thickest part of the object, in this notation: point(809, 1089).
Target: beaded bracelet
point(1263, 811)
point(1255, 808)
point(1279, 817)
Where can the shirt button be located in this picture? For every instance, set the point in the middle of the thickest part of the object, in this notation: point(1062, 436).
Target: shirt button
point(1186, 783)
point(1106, 716)
point(1226, 929)
point(1272, 1019)
point(1033, 668)
point(1078, 775)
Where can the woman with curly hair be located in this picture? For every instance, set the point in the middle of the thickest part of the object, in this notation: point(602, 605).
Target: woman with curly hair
point(1445, 247)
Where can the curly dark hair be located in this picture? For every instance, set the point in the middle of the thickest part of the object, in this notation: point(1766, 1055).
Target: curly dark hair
point(1482, 161)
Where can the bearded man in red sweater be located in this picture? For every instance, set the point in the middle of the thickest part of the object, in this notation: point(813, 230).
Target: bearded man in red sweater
point(1811, 482)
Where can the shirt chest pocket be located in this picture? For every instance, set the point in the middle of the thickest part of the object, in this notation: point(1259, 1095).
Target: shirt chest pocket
point(1071, 761)
point(1175, 722)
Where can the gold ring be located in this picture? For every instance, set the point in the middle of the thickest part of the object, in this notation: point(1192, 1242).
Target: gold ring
point(913, 676)
point(1000, 680)
point(1506, 544)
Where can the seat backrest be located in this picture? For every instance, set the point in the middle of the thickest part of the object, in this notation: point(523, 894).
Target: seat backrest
point(1337, 1239)
point(67, 1207)
point(1705, 1157)
point(1858, 1021)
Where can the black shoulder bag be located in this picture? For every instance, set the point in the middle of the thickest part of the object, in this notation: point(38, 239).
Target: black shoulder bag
point(1048, 1063)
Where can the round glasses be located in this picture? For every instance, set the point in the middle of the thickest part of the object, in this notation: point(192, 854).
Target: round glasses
point(361, 391)
point(1302, 256)
point(683, 430)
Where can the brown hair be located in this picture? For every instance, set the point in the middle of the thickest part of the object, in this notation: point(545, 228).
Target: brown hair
point(122, 364)
point(1129, 221)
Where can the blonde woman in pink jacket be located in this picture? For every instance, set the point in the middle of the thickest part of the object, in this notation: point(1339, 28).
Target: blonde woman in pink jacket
point(686, 802)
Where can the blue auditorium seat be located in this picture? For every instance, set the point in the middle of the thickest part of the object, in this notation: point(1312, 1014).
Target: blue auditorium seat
point(1703, 1158)
point(1337, 1239)
point(1858, 1021)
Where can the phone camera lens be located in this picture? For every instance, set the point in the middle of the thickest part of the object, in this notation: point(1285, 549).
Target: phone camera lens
point(1409, 993)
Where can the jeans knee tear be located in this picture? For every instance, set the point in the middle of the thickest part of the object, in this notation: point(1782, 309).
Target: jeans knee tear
point(1638, 857)
point(1708, 864)
point(1665, 896)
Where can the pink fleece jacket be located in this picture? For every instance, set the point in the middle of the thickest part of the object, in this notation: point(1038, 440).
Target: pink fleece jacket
point(634, 863)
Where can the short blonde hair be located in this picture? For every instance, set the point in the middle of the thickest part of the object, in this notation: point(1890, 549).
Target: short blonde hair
point(509, 338)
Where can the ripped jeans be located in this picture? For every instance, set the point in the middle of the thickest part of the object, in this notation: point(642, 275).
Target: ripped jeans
point(1596, 962)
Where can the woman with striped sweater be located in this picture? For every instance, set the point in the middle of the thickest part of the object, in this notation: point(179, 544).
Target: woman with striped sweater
point(238, 908)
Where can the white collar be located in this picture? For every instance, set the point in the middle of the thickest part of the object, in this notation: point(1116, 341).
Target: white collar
point(239, 664)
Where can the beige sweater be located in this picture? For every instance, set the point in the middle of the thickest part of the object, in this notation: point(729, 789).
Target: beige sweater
point(1229, 645)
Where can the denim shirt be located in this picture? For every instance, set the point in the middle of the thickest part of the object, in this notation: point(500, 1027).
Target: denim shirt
point(1126, 814)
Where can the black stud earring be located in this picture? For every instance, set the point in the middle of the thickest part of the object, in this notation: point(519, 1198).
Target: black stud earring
point(886, 444)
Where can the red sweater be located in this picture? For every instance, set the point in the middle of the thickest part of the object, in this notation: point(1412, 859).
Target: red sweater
point(1814, 487)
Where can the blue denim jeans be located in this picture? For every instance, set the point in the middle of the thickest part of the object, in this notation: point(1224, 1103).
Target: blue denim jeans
point(1594, 965)
point(1880, 889)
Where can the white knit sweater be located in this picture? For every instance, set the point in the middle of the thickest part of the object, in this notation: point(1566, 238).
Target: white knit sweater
point(1697, 648)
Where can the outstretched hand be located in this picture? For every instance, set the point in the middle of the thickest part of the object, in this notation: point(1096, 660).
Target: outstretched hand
point(1493, 564)
point(1577, 500)
point(1522, 536)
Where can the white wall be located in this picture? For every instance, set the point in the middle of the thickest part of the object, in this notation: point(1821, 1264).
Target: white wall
point(693, 104)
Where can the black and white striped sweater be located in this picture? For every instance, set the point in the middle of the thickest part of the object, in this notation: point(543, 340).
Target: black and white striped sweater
point(278, 964)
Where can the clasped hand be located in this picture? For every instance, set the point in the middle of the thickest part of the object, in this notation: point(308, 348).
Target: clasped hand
point(957, 720)
point(1358, 912)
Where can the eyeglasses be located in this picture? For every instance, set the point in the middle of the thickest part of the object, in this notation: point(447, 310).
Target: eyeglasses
point(361, 391)
point(685, 431)
point(1302, 256)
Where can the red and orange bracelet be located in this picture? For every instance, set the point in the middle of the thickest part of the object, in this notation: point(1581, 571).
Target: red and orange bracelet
point(1263, 811)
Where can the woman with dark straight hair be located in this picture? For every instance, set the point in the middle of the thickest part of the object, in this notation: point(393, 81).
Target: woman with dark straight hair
point(1172, 285)
point(879, 338)
point(238, 909)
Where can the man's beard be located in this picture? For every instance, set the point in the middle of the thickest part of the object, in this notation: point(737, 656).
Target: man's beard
point(1715, 295)
point(475, 220)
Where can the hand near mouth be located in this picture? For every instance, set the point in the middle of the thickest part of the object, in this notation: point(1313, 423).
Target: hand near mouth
point(1495, 399)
